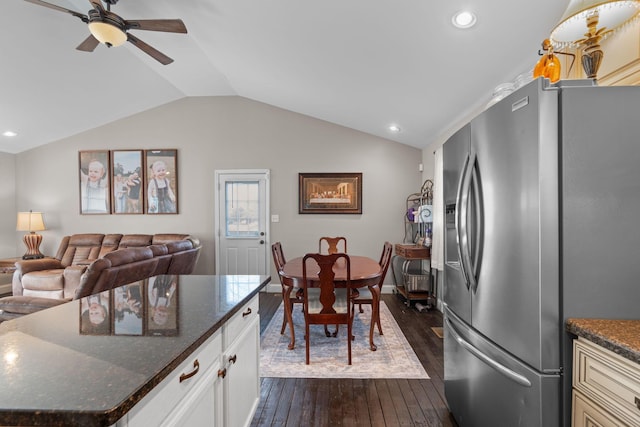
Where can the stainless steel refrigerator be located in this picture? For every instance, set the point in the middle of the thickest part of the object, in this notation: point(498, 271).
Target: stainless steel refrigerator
point(542, 199)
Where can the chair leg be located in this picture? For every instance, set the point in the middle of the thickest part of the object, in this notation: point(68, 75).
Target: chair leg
point(349, 334)
point(284, 323)
point(361, 310)
point(287, 319)
point(306, 340)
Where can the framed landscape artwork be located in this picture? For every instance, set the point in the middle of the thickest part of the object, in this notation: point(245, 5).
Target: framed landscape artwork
point(330, 193)
point(94, 182)
point(162, 181)
point(127, 181)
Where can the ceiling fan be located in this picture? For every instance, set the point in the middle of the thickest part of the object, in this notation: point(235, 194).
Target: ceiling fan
point(110, 29)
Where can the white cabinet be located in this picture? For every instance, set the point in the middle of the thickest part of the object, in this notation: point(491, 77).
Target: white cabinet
point(606, 387)
point(191, 393)
point(218, 385)
point(242, 381)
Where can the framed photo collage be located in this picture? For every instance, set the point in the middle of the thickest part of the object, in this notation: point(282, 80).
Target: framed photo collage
point(128, 182)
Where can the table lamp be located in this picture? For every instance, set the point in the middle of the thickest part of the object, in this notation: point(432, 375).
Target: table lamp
point(579, 27)
point(31, 222)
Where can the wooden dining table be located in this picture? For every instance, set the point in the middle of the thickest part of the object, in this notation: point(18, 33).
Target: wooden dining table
point(364, 272)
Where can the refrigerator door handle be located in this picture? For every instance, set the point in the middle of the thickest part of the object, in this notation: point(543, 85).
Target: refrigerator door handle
point(458, 219)
point(478, 228)
point(463, 210)
point(513, 376)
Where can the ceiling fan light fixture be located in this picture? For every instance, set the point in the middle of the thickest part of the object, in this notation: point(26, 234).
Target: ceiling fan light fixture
point(107, 33)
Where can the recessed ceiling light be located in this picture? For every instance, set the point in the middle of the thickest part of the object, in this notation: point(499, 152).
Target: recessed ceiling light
point(394, 128)
point(464, 19)
point(9, 133)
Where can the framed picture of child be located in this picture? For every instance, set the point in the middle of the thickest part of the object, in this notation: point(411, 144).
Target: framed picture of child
point(162, 311)
point(95, 312)
point(161, 168)
point(127, 179)
point(94, 182)
point(129, 303)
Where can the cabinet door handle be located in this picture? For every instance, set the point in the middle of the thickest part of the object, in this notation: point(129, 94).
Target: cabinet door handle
point(196, 368)
point(247, 312)
point(233, 359)
point(222, 372)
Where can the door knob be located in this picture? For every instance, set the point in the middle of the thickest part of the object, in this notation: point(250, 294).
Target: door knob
point(262, 233)
point(262, 242)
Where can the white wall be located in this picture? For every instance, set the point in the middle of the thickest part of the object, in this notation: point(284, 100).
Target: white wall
point(213, 133)
point(8, 233)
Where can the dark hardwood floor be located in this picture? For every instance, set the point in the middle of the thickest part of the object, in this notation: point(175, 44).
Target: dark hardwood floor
point(362, 402)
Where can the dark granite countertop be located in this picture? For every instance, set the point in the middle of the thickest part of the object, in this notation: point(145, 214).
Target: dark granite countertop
point(59, 368)
point(620, 336)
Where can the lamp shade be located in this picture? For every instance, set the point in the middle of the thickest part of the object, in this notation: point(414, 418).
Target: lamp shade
point(612, 14)
point(107, 34)
point(30, 221)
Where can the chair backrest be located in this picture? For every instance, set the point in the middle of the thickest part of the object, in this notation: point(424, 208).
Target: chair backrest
point(278, 256)
point(332, 244)
point(385, 261)
point(79, 248)
point(326, 277)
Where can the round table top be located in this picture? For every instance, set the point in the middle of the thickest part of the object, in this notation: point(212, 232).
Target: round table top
point(364, 270)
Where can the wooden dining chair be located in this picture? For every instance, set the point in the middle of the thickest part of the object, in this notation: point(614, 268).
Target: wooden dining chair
point(364, 295)
point(330, 306)
point(332, 245)
point(290, 295)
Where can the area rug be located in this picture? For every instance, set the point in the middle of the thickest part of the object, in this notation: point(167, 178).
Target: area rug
point(394, 357)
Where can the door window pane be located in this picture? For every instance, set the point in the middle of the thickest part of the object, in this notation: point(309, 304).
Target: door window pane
point(242, 208)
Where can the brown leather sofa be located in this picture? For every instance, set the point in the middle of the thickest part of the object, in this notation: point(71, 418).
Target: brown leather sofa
point(86, 264)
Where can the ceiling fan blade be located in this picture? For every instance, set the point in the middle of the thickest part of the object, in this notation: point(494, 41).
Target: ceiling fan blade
point(82, 16)
point(89, 44)
point(166, 25)
point(154, 53)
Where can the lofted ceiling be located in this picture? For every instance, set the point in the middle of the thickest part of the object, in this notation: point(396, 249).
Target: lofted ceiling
point(363, 64)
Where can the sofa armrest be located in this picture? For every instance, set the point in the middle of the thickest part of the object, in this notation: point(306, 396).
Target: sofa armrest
point(72, 276)
point(27, 266)
point(90, 276)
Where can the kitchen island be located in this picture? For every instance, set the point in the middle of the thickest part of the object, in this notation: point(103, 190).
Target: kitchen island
point(58, 371)
point(606, 372)
point(620, 336)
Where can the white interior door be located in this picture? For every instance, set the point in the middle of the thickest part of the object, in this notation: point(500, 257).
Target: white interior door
point(242, 227)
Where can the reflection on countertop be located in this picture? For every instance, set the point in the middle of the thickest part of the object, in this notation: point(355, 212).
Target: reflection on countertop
point(620, 336)
point(56, 372)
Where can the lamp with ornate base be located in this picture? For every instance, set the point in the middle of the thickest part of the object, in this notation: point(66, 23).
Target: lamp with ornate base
point(579, 27)
point(31, 222)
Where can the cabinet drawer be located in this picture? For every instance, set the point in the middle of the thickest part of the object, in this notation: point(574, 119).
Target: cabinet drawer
point(234, 326)
point(588, 414)
point(608, 379)
point(156, 406)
